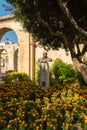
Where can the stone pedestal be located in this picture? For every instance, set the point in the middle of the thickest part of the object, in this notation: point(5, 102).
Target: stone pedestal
point(44, 75)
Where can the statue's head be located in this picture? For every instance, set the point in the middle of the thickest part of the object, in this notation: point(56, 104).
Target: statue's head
point(45, 54)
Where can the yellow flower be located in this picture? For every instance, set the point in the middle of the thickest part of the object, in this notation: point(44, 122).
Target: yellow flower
point(85, 118)
point(8, 126)
point(85, 121)
point(54, 128)
point(23, 122)
point(67, 126)
point(37, 127)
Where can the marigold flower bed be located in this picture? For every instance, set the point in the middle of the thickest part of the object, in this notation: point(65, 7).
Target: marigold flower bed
point(26, 106)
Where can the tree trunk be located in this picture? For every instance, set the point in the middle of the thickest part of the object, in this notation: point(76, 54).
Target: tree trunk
point(81, 67)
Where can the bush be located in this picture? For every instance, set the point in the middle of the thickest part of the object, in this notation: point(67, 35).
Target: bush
point(15, 77)
point(63, 73)
point(37, 73)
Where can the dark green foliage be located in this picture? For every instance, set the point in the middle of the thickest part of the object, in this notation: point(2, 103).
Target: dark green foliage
point(63, 72)
point(46, 19)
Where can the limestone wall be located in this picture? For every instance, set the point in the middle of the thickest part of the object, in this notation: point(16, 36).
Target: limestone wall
point(54, 54)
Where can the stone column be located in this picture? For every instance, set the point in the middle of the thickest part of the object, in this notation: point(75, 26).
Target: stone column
point(31, 58)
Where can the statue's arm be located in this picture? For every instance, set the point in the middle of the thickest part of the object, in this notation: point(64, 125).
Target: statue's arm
point(41, 60)
point(49, 59)
point(44, 60)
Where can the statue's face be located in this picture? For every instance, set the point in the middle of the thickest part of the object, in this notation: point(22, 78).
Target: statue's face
point(45, 55)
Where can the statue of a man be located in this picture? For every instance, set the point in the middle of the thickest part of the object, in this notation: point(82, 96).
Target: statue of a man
point(44, 70)
point(45, 58)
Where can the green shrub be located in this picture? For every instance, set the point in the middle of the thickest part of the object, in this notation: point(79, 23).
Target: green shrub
point(37, 72)
point(63, 73)
point(15, 76)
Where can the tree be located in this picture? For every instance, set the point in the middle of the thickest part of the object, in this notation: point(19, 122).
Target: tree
point(56, 23)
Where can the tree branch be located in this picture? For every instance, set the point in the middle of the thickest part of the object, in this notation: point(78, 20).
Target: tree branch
point(71, 19)
point(84, 49)
point(76, 41)
point(57, 34)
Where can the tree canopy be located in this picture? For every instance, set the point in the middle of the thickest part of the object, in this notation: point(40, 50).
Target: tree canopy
point(55, 23)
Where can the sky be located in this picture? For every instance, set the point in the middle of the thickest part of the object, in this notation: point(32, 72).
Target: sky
point(11, 35)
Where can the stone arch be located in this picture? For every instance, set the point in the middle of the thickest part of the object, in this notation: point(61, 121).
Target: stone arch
point(9, 36)
point(8, 23)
